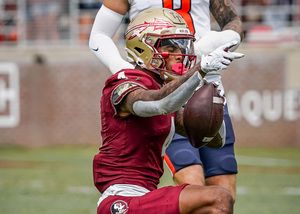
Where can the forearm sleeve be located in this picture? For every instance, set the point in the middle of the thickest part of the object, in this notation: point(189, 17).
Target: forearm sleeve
point(101, 44)
point(171, 102)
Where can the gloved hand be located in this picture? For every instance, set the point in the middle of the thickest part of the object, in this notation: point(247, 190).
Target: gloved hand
point(211, 40)
point(220, 58)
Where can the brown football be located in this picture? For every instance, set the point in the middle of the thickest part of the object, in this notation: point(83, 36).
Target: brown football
point(203, 115)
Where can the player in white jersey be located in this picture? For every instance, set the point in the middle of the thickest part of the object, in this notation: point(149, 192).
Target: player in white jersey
point(205, 166)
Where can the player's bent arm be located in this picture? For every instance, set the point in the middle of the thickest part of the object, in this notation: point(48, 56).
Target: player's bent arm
point(101, 44)
point(170, 98)
point(167, 100)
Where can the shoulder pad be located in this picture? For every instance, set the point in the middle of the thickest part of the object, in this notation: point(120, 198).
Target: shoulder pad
point(122, 90)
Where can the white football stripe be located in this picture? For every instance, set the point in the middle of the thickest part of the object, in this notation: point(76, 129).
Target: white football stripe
point(218, 100)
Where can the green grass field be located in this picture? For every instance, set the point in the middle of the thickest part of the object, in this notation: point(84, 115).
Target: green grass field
point(58, 180)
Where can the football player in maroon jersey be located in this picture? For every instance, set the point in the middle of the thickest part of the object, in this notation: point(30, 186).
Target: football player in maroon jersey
point(204, 166)
point(141, 109)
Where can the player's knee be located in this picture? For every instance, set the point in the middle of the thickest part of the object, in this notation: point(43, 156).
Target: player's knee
point(206, 199)
point(223, 202)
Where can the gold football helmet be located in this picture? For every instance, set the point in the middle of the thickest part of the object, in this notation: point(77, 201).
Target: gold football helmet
point(159, 27)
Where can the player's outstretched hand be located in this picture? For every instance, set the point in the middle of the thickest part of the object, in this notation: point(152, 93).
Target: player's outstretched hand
point(220, 58)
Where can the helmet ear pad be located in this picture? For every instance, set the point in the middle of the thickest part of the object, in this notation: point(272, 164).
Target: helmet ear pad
point(142, 51)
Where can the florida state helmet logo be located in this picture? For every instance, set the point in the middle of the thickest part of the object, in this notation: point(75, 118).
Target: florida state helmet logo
point(158, 24)
point(119, 207)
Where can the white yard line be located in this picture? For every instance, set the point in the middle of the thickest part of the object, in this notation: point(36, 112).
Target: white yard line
point(258, 161)
point(291, 191)
point(242, 190)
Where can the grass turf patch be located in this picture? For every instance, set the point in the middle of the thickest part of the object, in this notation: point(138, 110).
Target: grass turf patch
point(59, 180)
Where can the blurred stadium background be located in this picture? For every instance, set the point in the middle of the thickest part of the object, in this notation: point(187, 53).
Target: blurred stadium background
point(50, 85)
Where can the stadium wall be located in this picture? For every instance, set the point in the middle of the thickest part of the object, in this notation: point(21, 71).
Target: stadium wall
point(51, 97)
